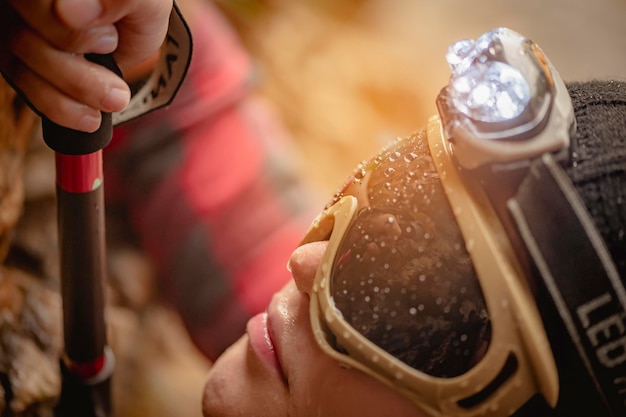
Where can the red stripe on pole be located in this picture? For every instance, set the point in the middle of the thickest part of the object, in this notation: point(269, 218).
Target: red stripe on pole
point(79, 173)
point(86, 370)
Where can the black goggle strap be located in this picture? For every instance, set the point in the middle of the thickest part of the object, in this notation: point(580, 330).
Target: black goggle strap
point(581, 284)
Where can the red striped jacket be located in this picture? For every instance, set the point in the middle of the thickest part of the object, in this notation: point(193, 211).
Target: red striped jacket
point(211, 193)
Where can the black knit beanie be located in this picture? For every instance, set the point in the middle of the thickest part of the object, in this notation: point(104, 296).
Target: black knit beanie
point(598, 165)
point(597, 169)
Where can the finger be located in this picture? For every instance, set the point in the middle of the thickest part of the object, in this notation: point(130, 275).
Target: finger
point(142, 31)
point(79, 79)
point(78, 14)
point(38, 17)
point(49, 101)
point(141, 24)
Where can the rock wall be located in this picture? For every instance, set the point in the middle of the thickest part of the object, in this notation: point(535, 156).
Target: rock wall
point(30, 334)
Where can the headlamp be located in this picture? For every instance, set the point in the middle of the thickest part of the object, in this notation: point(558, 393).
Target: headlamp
point(455, 327)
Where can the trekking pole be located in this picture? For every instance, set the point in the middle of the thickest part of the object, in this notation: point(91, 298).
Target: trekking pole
point(87, 362)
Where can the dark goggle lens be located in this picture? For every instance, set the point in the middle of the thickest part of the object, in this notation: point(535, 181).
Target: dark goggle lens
point(402, 276)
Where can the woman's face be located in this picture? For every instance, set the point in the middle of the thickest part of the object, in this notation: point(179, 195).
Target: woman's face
point(277, 368)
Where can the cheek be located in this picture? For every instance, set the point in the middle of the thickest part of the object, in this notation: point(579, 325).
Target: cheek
point(320, 387)
point(333, 391)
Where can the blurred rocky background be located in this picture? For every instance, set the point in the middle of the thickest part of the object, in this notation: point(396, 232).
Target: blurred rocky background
point(346, 76)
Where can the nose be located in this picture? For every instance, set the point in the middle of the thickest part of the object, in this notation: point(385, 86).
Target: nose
point(304, 262)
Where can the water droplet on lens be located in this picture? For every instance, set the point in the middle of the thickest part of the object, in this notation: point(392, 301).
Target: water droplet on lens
point(410, 157)
point(393, 156)
point(359, 173)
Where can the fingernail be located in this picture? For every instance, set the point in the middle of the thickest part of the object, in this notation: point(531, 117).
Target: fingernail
point(116, 99)
point(89, 122)
point(104, 40)
point(79, 13)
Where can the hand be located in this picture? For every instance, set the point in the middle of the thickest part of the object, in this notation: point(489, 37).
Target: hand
point(42, 43)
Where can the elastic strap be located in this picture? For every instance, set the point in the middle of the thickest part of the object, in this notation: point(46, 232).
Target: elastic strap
point(161, 86)
point(581, 284)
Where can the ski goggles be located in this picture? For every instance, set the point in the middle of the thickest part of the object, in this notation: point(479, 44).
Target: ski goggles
point(447, 320)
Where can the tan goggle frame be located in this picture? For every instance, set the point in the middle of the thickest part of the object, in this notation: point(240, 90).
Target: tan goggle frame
point(516, 325)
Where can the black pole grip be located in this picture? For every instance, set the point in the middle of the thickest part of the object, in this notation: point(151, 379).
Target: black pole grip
point(74, 142)
point(83, 268)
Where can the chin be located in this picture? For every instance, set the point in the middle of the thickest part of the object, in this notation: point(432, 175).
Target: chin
point(222, 388)
point(238, 385)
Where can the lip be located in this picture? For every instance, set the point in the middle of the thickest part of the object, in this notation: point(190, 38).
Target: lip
point(261, 342)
